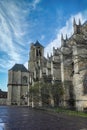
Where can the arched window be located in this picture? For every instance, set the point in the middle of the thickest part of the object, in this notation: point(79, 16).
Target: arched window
point(24, 79)
point(38, 52)
point(85, 84)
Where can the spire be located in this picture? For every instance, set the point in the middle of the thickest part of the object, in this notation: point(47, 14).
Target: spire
point(74, 22)
point(62, 37)
point(66, 37)
point(79, 22)
point(62, 40)
point(37, 44)
point(53, 49)
point(47, 55)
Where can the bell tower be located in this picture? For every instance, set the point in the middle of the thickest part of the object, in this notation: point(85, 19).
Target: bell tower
point(36, 57)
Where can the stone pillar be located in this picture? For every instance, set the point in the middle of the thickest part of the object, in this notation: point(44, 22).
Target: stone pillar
point(51, 68)
point(46, 71)
point(40, 73)
point(19, 77)
point(10, 82)
point(51, 100)
point(28, 95)
point(78, 78)
point(62, 78)
point(34, 73)
point(32, 102)
point(40, 100)
point(9, 94)
point(18, 97)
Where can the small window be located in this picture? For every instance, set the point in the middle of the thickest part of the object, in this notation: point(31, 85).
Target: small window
point(24, 79)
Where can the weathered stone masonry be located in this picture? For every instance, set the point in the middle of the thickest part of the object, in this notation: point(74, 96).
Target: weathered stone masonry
point(67, 65)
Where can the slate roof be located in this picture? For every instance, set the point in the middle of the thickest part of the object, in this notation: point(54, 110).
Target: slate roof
point(19, 67)
point(38, 44)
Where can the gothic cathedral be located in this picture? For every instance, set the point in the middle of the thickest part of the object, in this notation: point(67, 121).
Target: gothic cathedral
point(67, 66)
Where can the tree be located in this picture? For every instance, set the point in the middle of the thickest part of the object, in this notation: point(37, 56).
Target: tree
point(47, 93)
point(57, 92)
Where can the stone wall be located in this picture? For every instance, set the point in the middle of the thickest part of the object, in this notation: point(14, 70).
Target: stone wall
point(3, 101)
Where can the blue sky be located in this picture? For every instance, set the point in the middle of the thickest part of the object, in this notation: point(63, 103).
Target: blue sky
point(25, 21)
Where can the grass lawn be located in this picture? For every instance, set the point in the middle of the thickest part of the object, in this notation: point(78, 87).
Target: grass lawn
point(69, 112)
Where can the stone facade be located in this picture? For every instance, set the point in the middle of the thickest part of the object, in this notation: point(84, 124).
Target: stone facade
point(67, 65)
point(18, 79)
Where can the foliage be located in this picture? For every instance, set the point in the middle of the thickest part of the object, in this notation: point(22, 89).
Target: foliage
point(46, 92)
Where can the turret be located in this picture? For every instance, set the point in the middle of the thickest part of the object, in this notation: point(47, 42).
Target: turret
point(74, 22)
point(79, 22)
point(48, 55)
point(62, 40)
point(66, 37)
point(77, 28)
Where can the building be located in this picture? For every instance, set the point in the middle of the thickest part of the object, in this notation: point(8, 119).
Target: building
point(67, 65)
point(18, 79)
point(3, 97)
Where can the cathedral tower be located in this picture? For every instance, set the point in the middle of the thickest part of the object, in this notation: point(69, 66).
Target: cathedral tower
point(36, 57)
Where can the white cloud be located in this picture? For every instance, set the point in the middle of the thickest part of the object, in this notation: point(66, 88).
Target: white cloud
point(13, 30)
point(42, 37)
point(26, 64)
point(67, 29)
point(12, 33)
point(35, 2)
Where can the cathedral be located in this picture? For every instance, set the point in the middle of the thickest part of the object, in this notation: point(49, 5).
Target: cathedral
point(67, 65)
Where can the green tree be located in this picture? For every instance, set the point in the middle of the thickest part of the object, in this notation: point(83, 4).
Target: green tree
point(48, 93)
point(57, 92)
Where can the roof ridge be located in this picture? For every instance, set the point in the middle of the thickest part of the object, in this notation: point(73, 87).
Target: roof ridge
point(37, 43)
point(19, 67)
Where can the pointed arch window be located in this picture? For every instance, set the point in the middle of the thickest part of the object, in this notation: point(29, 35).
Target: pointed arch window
point(38, 52)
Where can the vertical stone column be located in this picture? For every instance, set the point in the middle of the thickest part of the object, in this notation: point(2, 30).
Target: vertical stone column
point(19, 77)
point(46, 71)
point(62, 78)
point(32, 101)
point(77, 79)
point(32, 98)
point(51, 68)
point(52, 72)
point(28, 94)
point(18, 97)
point(10, 82)
point(51, 99)
point(9, 94)
point(34, 73)
point(40, 100)
point(40, 73)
